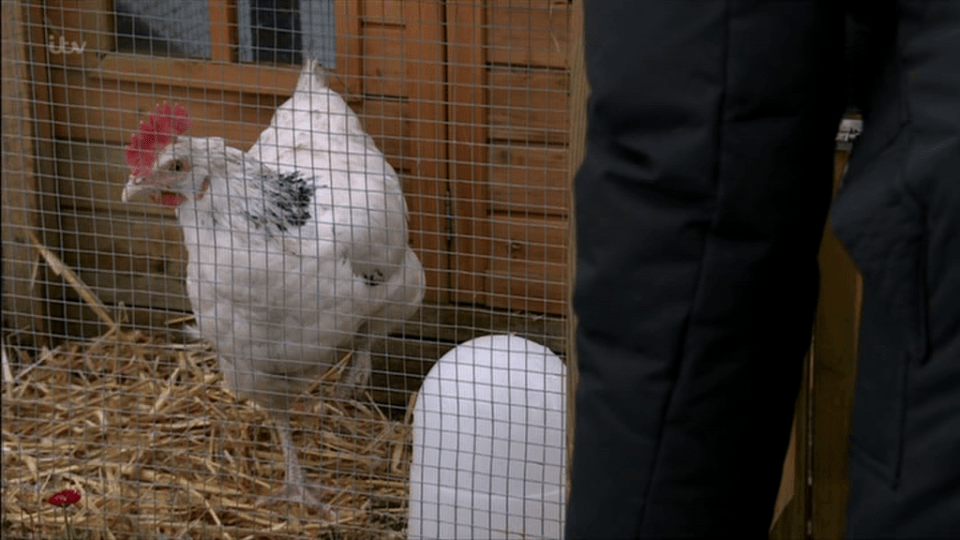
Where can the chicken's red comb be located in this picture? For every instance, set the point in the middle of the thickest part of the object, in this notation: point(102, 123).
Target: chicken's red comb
point(155, 135)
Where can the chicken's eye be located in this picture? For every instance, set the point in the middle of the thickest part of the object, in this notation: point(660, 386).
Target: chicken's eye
point(176, 166)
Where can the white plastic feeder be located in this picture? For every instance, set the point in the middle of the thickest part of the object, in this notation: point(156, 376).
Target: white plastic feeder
point(489, 443)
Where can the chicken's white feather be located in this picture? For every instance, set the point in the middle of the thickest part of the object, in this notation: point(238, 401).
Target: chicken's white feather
point(297, 248)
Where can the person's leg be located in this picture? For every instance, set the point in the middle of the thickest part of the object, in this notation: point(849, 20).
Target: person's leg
point(699, 208)
point(899, 215)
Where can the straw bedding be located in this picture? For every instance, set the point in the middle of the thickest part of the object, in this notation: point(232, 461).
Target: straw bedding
point(159, 449)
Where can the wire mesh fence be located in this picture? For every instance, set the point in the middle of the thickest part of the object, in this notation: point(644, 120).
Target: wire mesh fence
point(238, 235)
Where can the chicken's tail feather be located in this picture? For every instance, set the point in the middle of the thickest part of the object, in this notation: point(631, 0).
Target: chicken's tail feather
point(312, 74)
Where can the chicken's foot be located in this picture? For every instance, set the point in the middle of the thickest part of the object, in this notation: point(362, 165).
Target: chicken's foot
point(295, 488)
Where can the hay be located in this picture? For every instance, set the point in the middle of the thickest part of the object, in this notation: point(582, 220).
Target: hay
point(159, 449)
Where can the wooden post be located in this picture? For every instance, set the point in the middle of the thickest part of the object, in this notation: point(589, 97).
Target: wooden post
point(579, 90)
point(817, 507)
point(837, 331)
point(792, 508)
point(23, 307)
point(467, 133)
point(223, 30)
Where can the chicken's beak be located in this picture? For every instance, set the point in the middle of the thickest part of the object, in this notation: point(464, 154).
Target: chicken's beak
point(137, 189)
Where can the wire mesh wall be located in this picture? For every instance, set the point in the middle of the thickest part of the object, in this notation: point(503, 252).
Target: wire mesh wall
point(238, 235)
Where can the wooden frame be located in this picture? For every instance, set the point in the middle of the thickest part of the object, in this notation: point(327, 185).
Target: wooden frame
point(22, 307)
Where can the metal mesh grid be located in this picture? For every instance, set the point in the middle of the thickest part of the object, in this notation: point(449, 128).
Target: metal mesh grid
point(108, 391)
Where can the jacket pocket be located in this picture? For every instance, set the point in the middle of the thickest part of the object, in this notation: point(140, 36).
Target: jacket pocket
point(884, 227)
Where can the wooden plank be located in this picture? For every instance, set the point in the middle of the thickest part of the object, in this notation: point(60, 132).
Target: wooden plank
point(222, 77)
point(133, 291)
point(579, 92)
point(529, 180)
point(126, 260)
point(385, 52)
point(92, 176)
point(223, 30)
point(529, 105)
point(42, 114)
point(384, 12)
point(388, 122)
point(112, 113)
point(426, 185)
point(527, 268)
point(837, 330)
point(123, 258)
point(348, 18)
point(23, 308)
point(80, 324)
point(528, 239)
point(536, 288)
point(467, 134)
point(530, 32)
point(203, 74)
point(456, 323)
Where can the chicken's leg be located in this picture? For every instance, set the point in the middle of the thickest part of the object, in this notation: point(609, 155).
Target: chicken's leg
point(295, 487)
point(357, 377)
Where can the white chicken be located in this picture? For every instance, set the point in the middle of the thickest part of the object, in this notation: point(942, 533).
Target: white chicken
point(296, 248)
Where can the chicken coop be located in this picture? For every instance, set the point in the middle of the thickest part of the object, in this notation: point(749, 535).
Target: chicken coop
point(108, 393)
point(447, 129)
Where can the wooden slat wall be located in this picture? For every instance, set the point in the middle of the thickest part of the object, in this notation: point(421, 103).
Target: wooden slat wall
point(511, 215)
point(467, 98)
point(132, 254)
point(480, 139)
point(530, 32)
point(529, 106)
point(536, 178)
point(403, 109)
point(498, 70)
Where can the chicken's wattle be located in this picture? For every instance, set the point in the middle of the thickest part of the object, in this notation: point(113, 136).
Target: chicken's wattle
point(172, 199)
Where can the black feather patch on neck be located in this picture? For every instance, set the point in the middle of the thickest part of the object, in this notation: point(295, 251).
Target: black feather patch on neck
point(285, 202)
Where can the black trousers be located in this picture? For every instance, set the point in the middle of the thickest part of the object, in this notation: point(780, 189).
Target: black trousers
point(700, 205)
